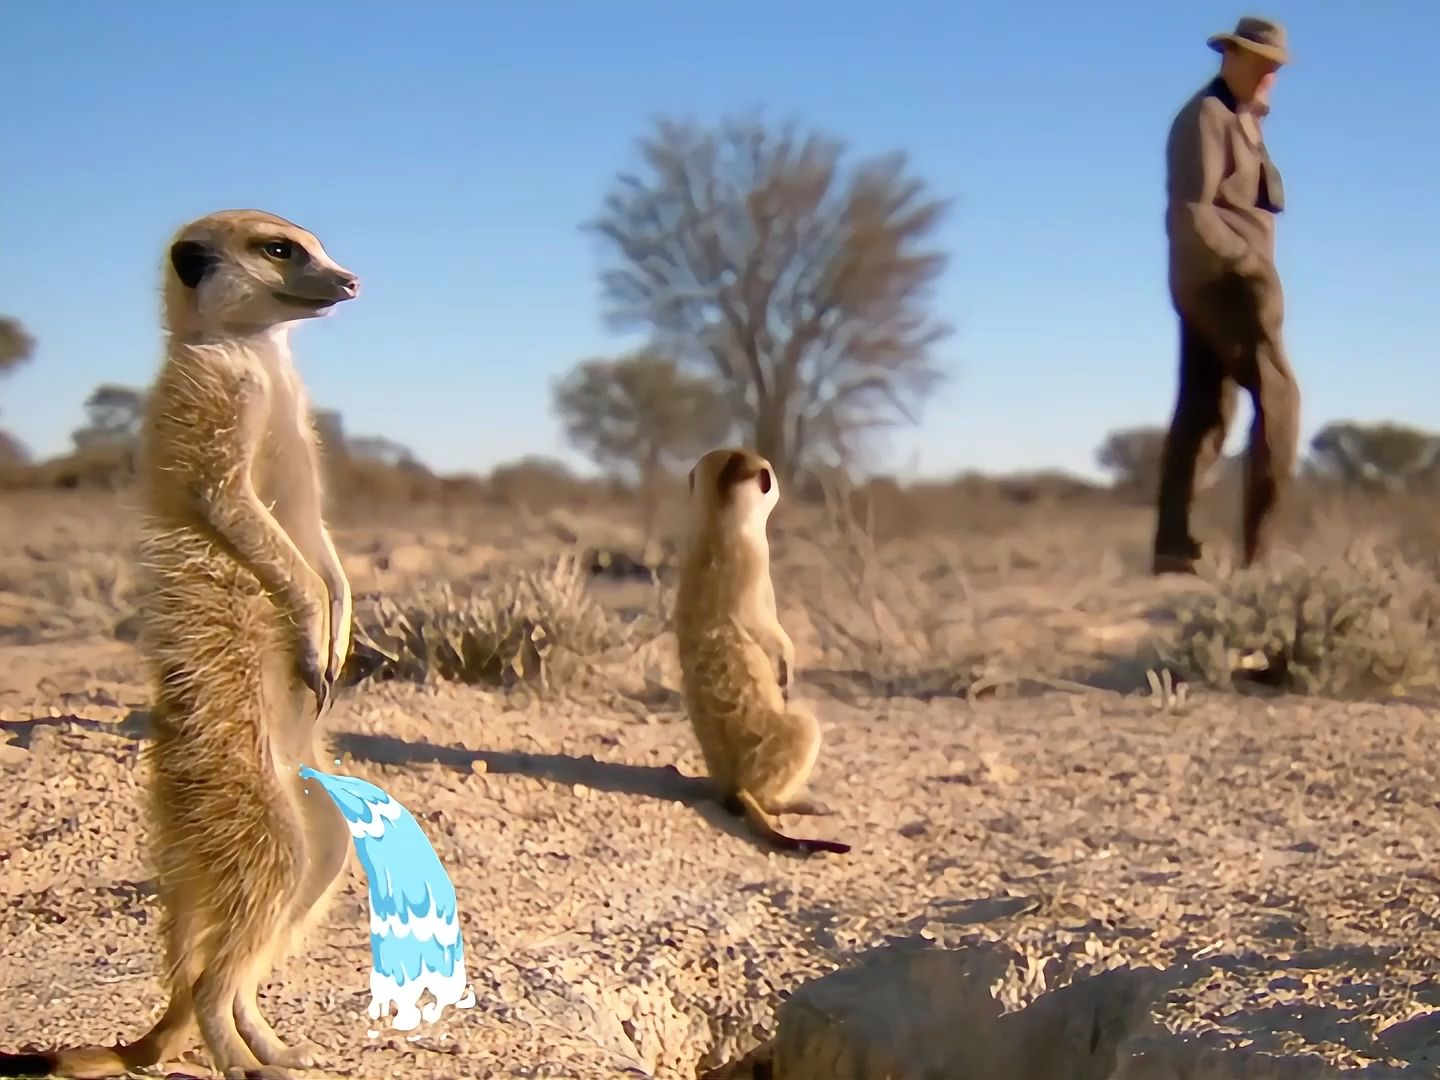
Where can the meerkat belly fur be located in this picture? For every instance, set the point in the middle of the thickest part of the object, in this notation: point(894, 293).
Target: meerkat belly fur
point(736, 659)
point(245, 615)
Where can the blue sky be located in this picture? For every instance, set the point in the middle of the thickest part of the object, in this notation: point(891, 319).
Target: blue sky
point(448, 152)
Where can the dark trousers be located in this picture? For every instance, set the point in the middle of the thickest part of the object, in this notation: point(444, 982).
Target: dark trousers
point(1229, 340)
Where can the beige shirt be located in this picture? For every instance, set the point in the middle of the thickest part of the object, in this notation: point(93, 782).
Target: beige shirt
point(1223, 191)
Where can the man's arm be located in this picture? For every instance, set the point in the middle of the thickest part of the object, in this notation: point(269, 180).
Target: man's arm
point(1195, 164)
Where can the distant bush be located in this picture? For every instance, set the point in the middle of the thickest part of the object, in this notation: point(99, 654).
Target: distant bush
point(540, 484)
point(102, 467)
point(1364, 625)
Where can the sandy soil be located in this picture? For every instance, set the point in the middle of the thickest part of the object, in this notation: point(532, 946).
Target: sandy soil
point(1274, 854)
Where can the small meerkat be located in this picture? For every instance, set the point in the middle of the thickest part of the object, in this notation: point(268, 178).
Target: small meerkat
point(736, 659)
point(246, 622)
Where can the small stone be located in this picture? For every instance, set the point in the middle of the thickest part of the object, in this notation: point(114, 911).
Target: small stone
point(13, 754)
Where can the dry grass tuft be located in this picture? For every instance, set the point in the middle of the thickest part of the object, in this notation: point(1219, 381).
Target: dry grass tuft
point(1366, 624)
point(900, 615)
point(527, 628)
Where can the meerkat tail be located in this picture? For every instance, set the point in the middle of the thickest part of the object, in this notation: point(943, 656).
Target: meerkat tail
point(80, 1062)
point(742, 804)
point(160, 1043)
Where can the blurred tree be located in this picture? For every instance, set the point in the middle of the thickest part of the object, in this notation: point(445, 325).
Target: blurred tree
point(13, 453)
point(113, 414)
point(16, 346)
point(1383, 456)
point(380, 450)
point(1132, 457)
point(751, 255)
point(329, 431)
point(640, 413)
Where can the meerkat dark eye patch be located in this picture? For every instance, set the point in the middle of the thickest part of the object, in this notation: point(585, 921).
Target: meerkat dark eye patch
point(279, 250)
point(191, 262)
point(765, 481)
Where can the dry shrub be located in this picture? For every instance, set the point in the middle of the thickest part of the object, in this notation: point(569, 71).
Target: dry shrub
point(908, 634)
point(102, 467)
point(1366, 624)
point(69, 596)
point(535, 627)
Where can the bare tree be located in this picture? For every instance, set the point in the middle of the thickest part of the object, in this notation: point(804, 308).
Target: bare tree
point(16, 347)
point(640, 413)
point(802, 287)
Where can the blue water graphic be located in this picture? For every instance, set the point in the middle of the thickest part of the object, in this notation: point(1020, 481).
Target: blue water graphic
point(415, 942)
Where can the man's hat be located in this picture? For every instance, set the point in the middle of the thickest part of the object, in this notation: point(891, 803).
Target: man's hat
point(1259, 36)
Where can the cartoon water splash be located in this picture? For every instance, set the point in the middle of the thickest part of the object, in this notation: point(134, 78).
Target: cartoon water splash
point(415, 942)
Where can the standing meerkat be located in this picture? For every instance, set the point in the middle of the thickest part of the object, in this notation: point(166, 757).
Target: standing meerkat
point(736, 660)
point(246, 623)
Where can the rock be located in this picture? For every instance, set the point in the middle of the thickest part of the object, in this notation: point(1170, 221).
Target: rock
point(911, 1012)
point(1077, 1031)
point(905, 1011)
point(13, 754)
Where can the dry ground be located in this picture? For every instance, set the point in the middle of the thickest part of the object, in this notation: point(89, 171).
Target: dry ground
point(992, 750)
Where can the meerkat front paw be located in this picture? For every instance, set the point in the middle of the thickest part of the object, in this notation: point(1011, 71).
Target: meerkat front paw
point(340, 635)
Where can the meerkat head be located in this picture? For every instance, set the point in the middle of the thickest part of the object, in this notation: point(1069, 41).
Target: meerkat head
point(734, 488)
point(245, 271)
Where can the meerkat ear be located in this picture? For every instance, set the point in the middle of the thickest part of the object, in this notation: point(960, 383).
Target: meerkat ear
point(191, 262)
point(765, 481)
point(692, 480)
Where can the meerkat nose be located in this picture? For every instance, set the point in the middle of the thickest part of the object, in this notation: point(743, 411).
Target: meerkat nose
point(350, 283)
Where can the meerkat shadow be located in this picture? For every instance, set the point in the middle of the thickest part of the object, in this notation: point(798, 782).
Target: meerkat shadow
point(651, 781)
point(648, 781)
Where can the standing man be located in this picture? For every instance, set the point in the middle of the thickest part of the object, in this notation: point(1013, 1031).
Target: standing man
point(1224, 193)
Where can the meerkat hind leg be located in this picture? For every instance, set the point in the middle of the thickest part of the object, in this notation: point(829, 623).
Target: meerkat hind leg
point(215, 993)
point(776, 769)
point(259, 1036)
point(327, 849)
point(242, 945)
point(169, 1035)
point(771, 775)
